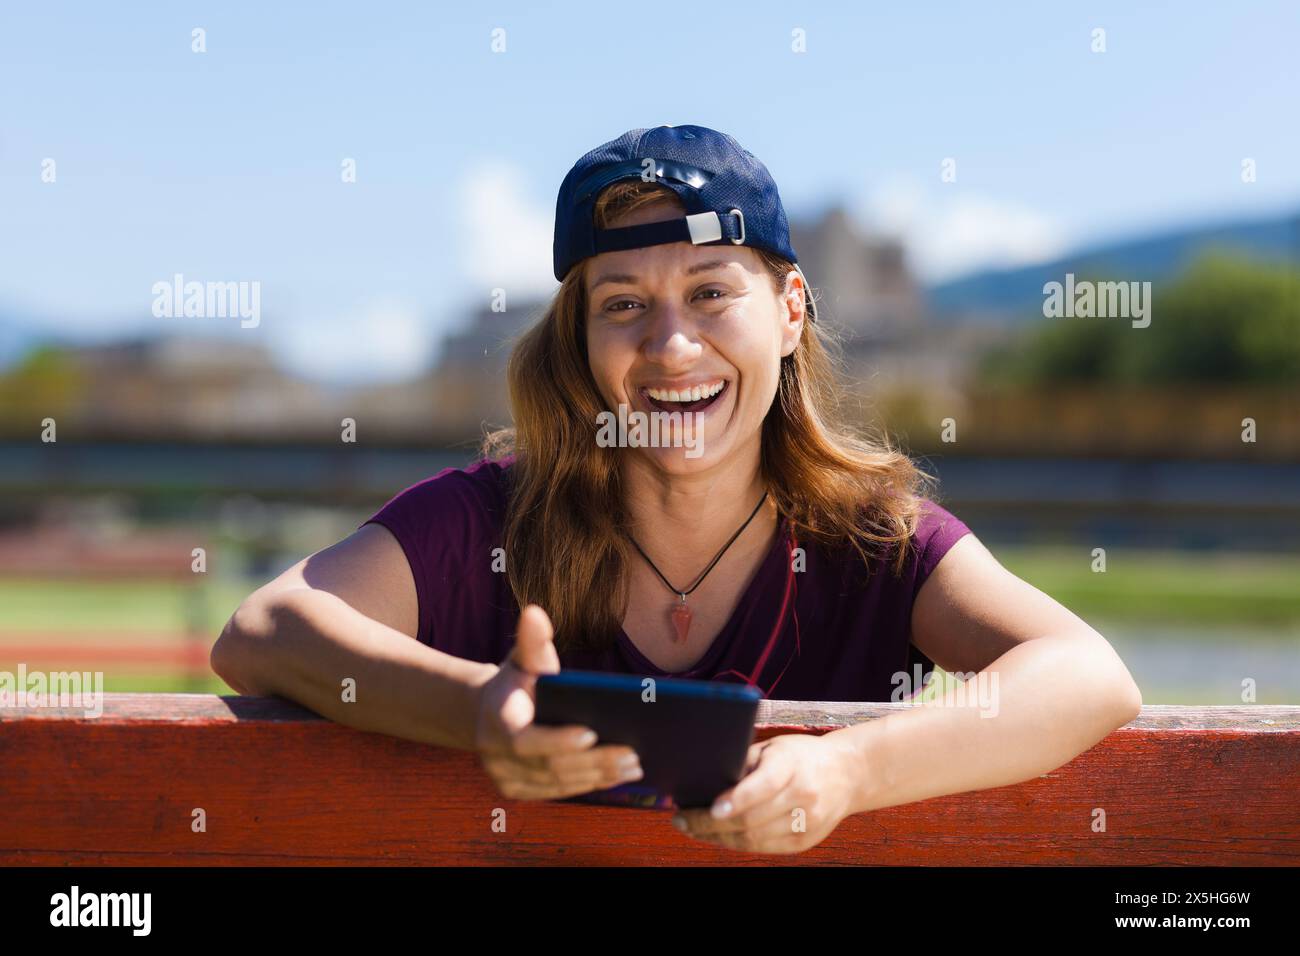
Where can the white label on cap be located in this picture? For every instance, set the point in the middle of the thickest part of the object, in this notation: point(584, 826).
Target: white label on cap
point(704, 227)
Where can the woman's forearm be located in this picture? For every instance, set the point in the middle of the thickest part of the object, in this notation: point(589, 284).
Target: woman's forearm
point(303, 644)
point(1035, 708)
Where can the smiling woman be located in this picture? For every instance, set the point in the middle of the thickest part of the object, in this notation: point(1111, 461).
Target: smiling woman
point(791, 554)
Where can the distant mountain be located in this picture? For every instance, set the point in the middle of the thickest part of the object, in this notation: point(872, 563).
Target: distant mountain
point(1017, 294)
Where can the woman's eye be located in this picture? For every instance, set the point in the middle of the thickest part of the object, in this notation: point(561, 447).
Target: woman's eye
point(618, 306)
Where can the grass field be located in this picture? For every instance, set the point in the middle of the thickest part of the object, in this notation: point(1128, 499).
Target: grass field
point(1167, 587)
point(141, 613)
point(106, 606)
point(1244, 594)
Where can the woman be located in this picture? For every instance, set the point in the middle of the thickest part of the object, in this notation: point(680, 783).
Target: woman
point(755, 541)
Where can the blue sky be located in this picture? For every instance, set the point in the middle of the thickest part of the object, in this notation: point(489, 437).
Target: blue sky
point(225, 165)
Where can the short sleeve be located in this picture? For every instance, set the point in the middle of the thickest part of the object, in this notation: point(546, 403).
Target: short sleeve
point(937, 531)
point(446, 526)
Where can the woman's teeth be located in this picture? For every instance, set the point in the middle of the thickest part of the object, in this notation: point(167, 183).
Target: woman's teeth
point(694, 394)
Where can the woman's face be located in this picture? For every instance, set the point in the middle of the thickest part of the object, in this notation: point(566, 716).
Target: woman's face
point(679, 317)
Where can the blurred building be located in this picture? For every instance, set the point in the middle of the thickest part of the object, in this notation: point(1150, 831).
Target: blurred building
point(192, 388)
point(867, 288)
point(893, 350)
point(469, 382)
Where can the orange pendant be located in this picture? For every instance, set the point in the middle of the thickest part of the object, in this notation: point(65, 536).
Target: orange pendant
point(681, 621)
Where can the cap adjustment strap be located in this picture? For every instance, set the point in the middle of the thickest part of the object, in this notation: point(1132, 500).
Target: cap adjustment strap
point(700, 229)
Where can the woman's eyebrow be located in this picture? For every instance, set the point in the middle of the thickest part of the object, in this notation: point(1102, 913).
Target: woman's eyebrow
point(626, 279)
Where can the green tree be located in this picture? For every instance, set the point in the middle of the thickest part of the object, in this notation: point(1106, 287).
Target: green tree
point(46, 382)
point(1225, 320)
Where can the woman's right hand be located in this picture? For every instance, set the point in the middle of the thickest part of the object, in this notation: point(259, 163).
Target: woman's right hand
point(528, 761)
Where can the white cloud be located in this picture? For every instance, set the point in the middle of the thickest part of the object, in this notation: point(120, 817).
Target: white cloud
point(505, 242)
point(379, 341)
point(508, 235)
point(949, 231)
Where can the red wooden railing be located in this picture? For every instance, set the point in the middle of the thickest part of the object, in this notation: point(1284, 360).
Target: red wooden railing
point(276, 784)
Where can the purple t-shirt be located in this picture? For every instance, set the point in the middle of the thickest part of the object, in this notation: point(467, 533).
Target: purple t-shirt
point(820, 633)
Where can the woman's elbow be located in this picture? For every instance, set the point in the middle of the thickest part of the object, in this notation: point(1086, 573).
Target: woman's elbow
point(1130, 699)
point(242, 642)
point(1124, 692)
point(1112, 687)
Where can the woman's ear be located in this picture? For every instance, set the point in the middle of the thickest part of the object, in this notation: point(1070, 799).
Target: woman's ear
point(793, 312)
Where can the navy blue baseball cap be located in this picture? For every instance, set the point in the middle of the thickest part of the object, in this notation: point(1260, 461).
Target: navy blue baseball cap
point(729, 196)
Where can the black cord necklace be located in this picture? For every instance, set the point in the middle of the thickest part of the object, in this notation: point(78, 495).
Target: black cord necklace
point(680, 613)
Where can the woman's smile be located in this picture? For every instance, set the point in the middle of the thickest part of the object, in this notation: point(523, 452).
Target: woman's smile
point(683, 398)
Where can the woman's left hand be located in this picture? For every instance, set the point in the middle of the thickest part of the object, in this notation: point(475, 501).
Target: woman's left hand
point(795, 791)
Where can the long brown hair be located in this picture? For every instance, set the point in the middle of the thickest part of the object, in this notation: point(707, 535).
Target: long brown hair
point(566, 526)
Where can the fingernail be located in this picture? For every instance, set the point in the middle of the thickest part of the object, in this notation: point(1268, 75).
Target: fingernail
point(587, 739)
point(721, 809)
point(680, 823)
point(632, 773)
point(631, 761)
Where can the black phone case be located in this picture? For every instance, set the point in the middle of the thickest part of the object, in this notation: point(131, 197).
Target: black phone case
point(692, 738)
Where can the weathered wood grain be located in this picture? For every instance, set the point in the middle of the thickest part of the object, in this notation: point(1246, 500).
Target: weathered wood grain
point(278, 784)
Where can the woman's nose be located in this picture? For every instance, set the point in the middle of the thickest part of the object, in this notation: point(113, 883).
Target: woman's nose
point(670, 336)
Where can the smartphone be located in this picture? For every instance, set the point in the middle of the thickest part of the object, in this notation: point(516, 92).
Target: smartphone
point(692, 736)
